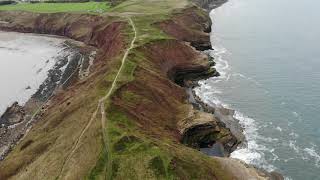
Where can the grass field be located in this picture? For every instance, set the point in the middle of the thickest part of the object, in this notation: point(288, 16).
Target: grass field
point(150, 6)
point(89, 7)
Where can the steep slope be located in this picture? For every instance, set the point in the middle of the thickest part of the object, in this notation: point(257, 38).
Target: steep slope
point(130, 119)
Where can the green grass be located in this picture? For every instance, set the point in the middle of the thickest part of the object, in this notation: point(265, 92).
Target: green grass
point(99, 169)
point(87, 7)
point(149, 6)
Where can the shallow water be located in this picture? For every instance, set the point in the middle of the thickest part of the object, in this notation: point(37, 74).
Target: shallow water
point(268, 56)
point(24, 63)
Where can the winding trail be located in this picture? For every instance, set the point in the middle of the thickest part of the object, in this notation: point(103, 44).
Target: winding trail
point(101, 106)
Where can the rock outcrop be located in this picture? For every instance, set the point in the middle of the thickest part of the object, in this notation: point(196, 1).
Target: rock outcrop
point(201, 129)
point(225, 118)
point(240, 170)
point(13, 115)
point(11, 127)
point(183, 27)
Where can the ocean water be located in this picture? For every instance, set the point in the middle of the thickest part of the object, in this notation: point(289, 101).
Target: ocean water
point(268, 54)
point(24, 63)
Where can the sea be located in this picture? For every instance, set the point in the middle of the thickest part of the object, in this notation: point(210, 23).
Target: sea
point(268, 55)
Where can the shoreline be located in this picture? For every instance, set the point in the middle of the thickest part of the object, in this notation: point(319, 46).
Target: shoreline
point(225, 116)
point(18, 118)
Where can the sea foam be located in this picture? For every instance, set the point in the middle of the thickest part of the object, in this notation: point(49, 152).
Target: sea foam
point(252, 152)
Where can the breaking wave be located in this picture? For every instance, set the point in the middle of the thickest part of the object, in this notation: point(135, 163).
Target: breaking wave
point(252, 152)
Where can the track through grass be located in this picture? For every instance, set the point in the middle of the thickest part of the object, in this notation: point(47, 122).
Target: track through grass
point(101, 106)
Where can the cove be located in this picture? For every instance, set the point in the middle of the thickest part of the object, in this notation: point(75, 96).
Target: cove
point(25, 60)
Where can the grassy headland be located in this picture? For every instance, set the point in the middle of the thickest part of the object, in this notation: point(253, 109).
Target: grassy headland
point(139, 138)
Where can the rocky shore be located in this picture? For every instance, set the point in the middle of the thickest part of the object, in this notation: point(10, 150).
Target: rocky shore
point(72, 63)
point(210, 126)
point(224, 116)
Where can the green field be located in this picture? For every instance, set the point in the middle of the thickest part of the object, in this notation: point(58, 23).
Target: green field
point(89, 7)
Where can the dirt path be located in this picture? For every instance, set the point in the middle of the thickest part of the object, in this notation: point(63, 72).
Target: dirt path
point(105, 98)
point(101, 106)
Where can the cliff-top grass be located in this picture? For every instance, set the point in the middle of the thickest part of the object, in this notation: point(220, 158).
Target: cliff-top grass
point(86, 7)
point(149, 6)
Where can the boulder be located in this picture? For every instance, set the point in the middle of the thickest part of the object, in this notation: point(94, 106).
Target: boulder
point(13, 115)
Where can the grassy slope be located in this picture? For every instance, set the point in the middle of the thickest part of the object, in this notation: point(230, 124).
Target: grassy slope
point(150, 6)
point(132, 153)
point(92, 7)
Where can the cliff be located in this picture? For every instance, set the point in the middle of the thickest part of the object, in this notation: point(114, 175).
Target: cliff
point(131, 117)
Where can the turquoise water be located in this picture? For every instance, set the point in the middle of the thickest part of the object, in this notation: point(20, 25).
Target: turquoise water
point(268, 54)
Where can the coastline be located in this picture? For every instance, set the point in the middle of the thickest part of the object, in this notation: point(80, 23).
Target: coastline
point(17, 119)
point(226, 116)
point(203, 125)
point(278, 117)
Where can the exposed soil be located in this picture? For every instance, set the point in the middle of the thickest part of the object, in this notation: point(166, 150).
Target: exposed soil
point(183, 27)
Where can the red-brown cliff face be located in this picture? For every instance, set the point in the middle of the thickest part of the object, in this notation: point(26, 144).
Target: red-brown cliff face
point(91, 29)
point(190, 25)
